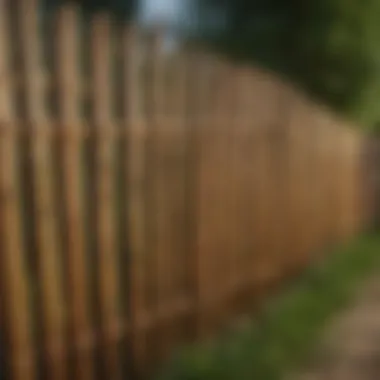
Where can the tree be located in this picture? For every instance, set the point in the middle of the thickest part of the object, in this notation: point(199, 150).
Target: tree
point(328, 46)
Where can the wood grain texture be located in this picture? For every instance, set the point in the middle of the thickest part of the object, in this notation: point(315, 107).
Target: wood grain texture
point(45, 211)
point(107, 249)
point(231, 180)
point(16, 315)
point(68, 80)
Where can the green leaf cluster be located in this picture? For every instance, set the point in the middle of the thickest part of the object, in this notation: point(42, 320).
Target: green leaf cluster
point(330, 47)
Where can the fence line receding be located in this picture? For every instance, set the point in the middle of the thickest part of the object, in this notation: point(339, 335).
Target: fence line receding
point(147, 198)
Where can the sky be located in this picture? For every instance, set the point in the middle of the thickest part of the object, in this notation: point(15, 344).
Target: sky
point(180, 17)
point(172, 13)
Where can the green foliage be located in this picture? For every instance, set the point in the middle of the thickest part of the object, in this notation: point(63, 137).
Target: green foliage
point(288, 328)
point(331, 47)
point(123, 9)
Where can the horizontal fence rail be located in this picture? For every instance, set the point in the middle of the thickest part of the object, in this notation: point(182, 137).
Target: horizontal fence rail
point(150, 197)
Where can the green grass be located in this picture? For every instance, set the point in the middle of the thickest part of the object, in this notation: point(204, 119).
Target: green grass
point(288, 328)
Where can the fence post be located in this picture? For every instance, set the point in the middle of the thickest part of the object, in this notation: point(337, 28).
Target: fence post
point(16, 316)
point(135, 125)
point(49, 252)
point(200, 74)
point(159, 243)
point(69, 91)
point(112, 328)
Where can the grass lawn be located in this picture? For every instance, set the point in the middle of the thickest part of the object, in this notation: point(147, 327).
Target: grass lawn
point(287, 330)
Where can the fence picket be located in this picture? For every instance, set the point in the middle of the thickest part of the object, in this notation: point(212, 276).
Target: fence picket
point(16, 316)
point(135, 125)
point(49, 260)
point(158, 137)
point(69, 90)
point(111, 325)
point(201, 268)
point(250, 177)
point(263, 100)
point(167, 178)
point(181, 180)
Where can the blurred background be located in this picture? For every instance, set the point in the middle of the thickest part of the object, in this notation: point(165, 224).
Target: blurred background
point(329, 47)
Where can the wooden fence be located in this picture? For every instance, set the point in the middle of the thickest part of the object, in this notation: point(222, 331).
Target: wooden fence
point(372, 181)
point(148, 198)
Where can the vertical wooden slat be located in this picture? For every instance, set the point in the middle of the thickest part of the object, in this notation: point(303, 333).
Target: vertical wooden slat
point(347, 185)
point(191, 271)
point(331, 175)
point(218, 154)
point(223, 133)
point(316, 185)
point(352, 183)
point(54, 324)
point(201, 120)
point(293, 186)
point(305, 151)
point(358, 183)
point(222, 127)
point(263, 101)
point(346, 194)
point(341, 177)
point(311, 215)
point(320, 122)
point(234, 169)
point(151, 215)
point(334, 196)
point(280, 169)
point(298, 165)
point(168, 173)
point(182, 108)
point(158, 172)
point(301, 190)
point(219, 192)
point(158, 225)
point(250, 153)
point(236, 186)
point(326, 148)
point(175, 156)
point(105, 193)
point(135, 172)
point(68, 88)
point(247, 164)
point(313, 185)
point(341, 183)
point(16, 316)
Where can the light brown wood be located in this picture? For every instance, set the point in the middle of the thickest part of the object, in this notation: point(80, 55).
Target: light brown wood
point(15, 286)
point(200, 121)
point(68, 83)
point(135, 125)
point(158, 171)
point(108, 251)
point(232, 181)
point(48, 249)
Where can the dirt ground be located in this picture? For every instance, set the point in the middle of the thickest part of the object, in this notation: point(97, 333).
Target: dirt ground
point(350, 345)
